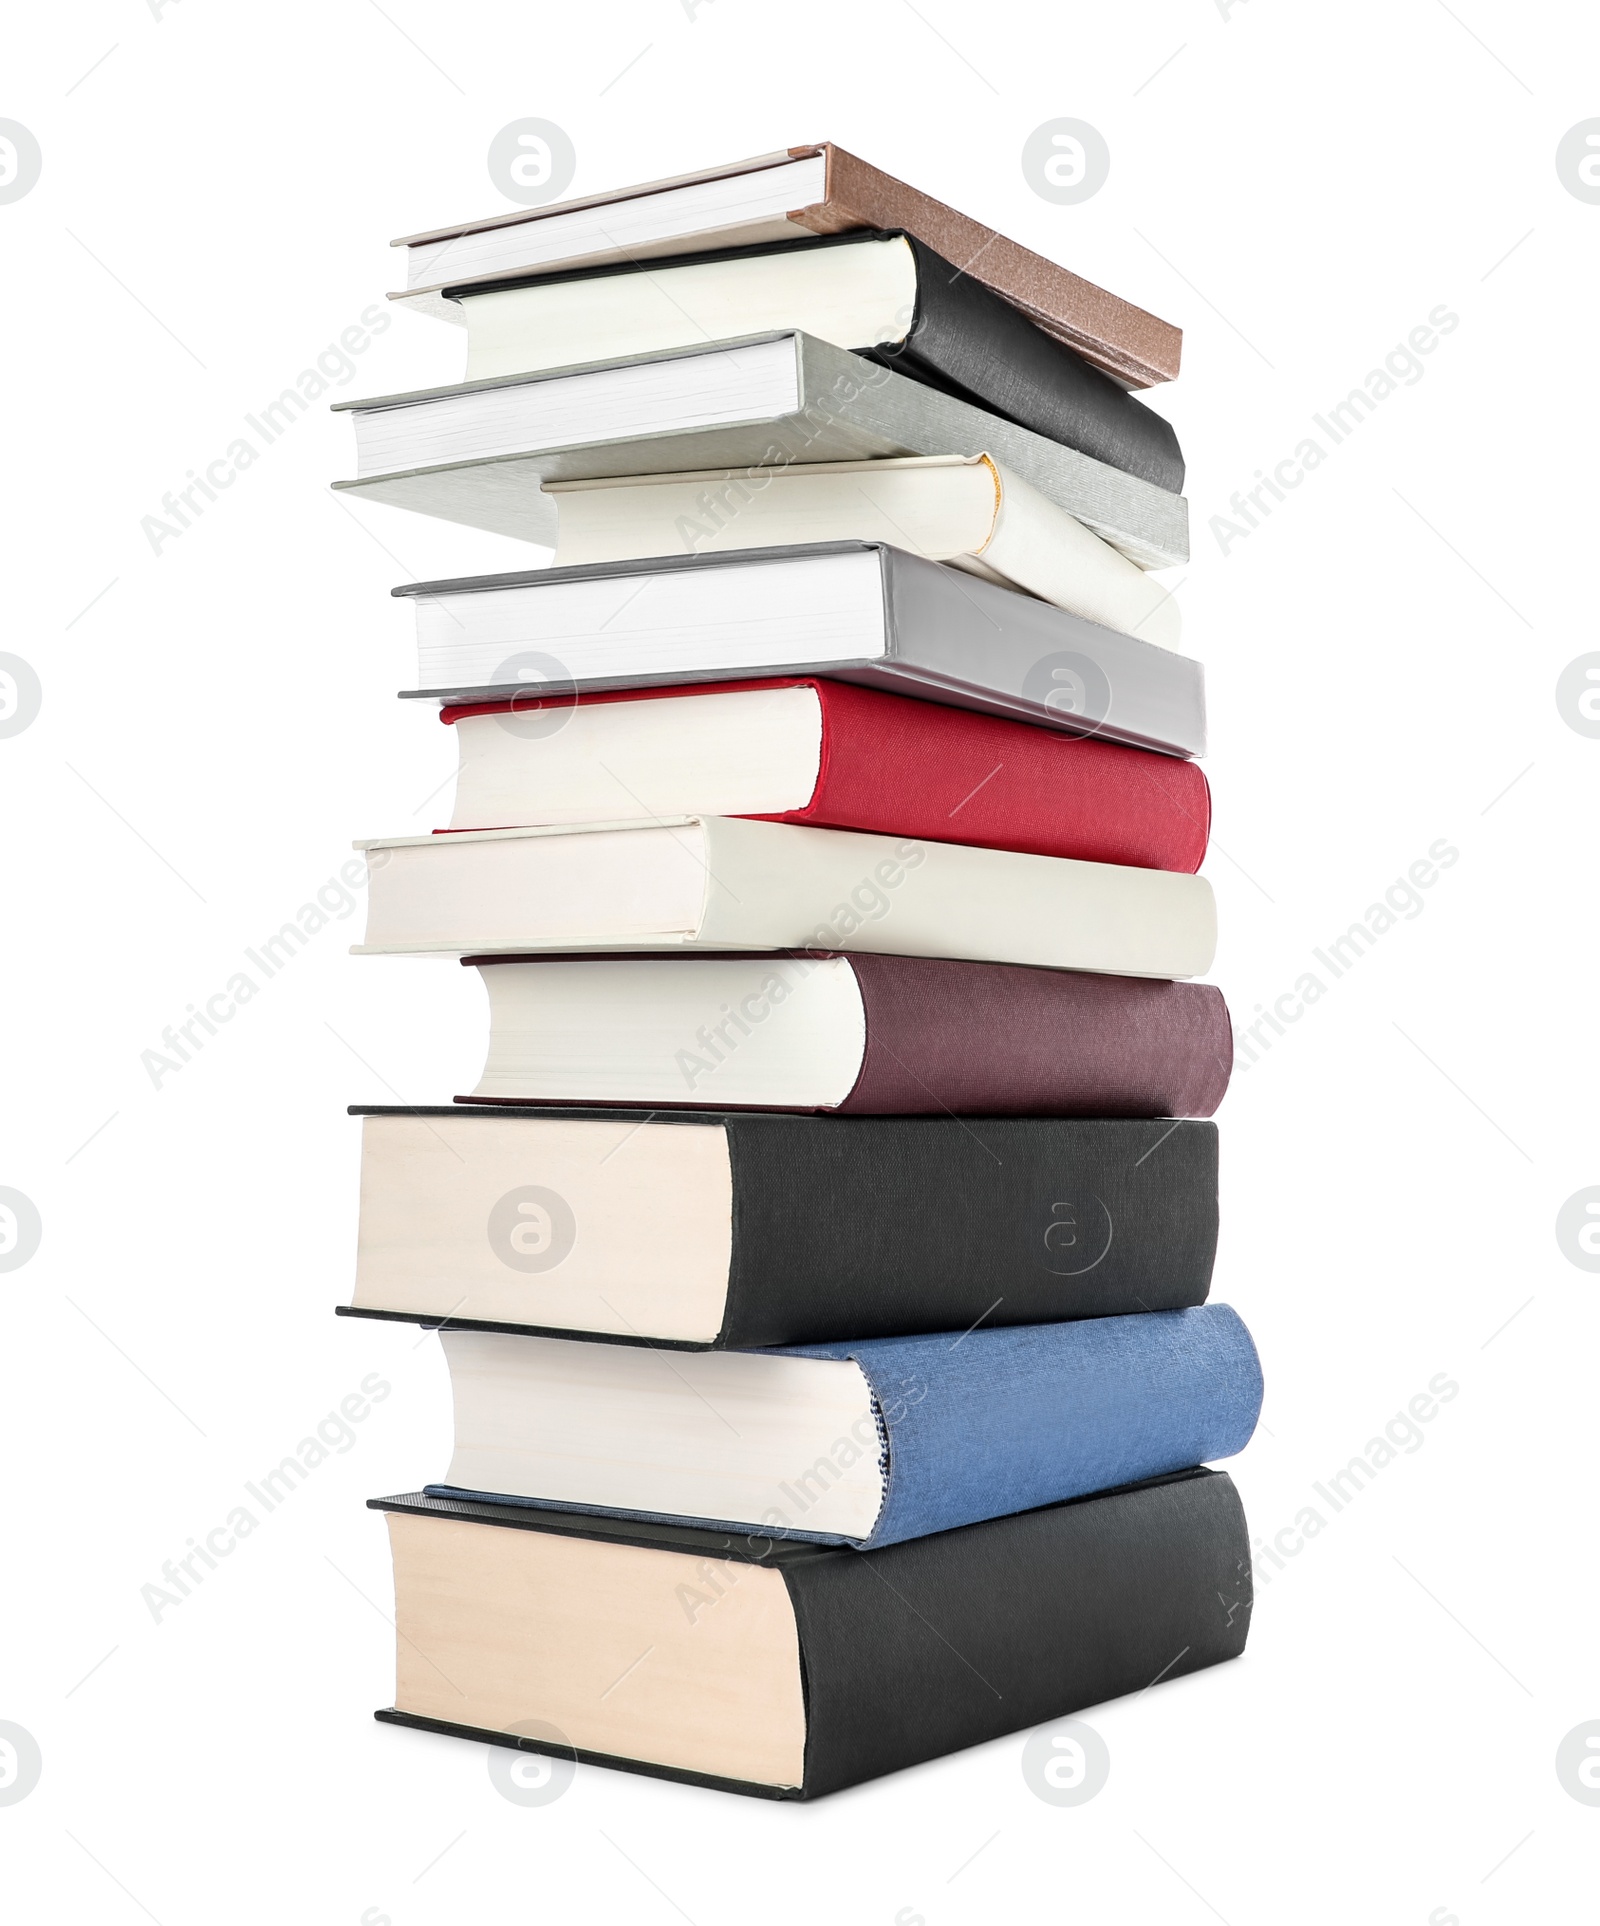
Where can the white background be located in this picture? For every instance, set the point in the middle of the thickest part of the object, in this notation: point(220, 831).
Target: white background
point(1298, 187)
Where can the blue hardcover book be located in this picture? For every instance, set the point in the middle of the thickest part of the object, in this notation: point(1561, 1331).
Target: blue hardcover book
point(861, 1443)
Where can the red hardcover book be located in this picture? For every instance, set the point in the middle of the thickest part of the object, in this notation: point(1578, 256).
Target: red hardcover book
point(809, 750)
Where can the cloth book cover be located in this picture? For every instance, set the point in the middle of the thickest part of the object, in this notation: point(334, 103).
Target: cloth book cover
point(857, 1034)
point(886, 764)
point(964, 336)
point(970, 1425)
point(736, 1230)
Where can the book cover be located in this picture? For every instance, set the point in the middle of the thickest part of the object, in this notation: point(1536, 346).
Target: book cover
point(735, 1230)
point(888, 765)
point(906, 1654)
point(970, 1425)
point(862, 612)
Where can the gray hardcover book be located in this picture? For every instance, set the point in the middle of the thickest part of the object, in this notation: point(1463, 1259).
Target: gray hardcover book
point(857, 611)
point(478, 452)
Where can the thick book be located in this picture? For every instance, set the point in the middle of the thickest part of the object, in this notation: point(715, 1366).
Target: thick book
point(478, 452)
point(861, 612)
point(827, 754)
point(707, 1230)
point(729, 883)
point(863, 1441)
point(820, 189)
point(861, 1034)
point(968, 511)
point(886, 296)
point(789, 1671)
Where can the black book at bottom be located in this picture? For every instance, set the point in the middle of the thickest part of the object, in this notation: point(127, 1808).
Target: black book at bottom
point(790, 1670)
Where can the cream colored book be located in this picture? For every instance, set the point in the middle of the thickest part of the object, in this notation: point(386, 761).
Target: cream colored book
point(725, 883)
point(857, 295)
point(969, 511)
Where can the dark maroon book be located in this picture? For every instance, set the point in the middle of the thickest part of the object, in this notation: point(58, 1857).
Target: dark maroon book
point(857, 1034)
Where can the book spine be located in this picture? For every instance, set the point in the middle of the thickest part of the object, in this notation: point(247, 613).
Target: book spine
point(890, 1226)
point(1134, 346)
point(998, 1040)
point(995, 356)
point(1044, 663)
point(926, 1648)
point(1149, 524)
point(993, 1422)
point(909, 768)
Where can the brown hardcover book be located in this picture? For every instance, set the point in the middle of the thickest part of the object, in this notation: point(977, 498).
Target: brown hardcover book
point(820, 189)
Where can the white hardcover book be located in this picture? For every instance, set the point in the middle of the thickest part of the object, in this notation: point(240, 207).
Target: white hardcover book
point(723, 883)
point(740, 206)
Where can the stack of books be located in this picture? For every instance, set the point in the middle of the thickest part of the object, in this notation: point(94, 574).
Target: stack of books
point(821, 1260)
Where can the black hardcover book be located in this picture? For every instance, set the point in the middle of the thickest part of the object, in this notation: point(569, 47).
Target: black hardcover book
point(968, 341)
point(952, 333)
point(706, 1229)
point(789, 1671)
